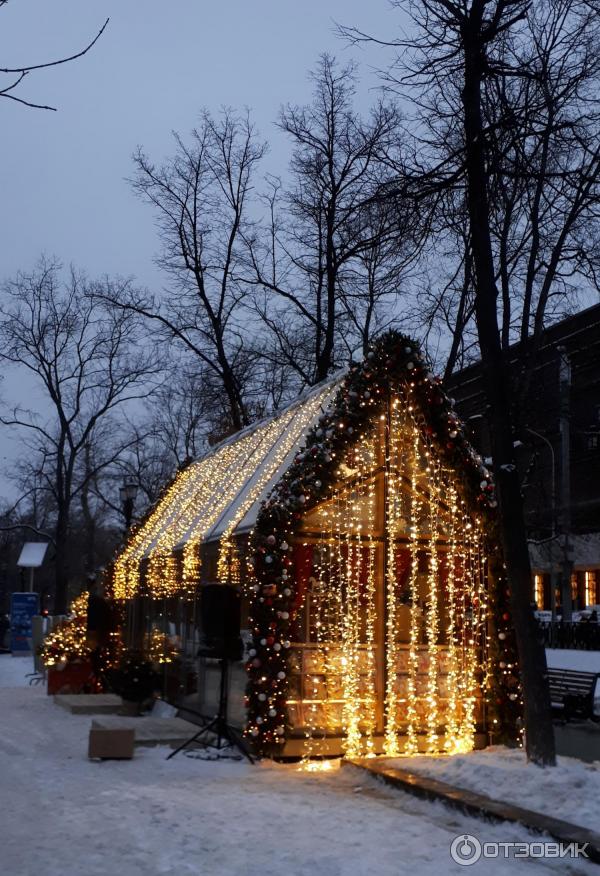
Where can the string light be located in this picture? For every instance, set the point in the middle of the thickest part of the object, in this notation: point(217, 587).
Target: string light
point(158, 647)
point(200, 496)
point(393, 490)
point(433, 589)
point(453, 669)
point(436, 516)
point(431, 681)
point(412, 716)
point(68, 641)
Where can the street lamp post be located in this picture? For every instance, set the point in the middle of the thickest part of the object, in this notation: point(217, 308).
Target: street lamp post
point(127, 494)
point(553, 506)
point(548, 443)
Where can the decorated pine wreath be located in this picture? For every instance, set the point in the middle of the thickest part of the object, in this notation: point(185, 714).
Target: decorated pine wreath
point(392, 361)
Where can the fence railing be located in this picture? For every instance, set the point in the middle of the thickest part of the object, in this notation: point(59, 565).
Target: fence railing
point(570, 634)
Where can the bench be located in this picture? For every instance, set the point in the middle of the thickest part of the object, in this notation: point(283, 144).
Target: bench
point(572, 693)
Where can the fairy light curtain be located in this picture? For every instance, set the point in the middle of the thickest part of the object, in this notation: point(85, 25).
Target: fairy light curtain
point(405, 666)
point(163, 555)
point(395, 484)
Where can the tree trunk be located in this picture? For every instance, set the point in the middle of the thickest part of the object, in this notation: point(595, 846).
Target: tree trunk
point(90, 532)
point(61, 562)
point(539, 736)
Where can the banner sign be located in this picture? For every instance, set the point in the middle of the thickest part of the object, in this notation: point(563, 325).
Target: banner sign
point(23, 606)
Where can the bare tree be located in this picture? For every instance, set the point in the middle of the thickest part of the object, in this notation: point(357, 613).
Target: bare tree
point(16, 75)
point(89, 363)
point(540, 112)
point(326, 234)
point(201, 196)
point(507, 98)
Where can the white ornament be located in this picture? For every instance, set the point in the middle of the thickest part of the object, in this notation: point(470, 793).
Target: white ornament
point(281, 675)
point(272, 713)
point(259, 720)
point(284, 545)
point(277, 646)
point(262, 697)
point(263, 641)
point(254, 731)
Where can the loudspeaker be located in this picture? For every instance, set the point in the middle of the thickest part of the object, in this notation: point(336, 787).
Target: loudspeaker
point(220, 619)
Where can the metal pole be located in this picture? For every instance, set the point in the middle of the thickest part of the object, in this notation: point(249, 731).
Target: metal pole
point(548, 443)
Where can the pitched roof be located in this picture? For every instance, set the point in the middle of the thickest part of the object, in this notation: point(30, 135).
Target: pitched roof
point(220, 494)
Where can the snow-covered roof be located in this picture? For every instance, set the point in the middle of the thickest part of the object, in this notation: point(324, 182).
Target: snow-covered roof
point(220, 494)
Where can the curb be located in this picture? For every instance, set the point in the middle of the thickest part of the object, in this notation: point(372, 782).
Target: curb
point(479, 805)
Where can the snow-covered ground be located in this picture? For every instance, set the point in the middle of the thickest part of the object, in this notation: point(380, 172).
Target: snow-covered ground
point(570, 791)
point(563, 658)
point(63, 815)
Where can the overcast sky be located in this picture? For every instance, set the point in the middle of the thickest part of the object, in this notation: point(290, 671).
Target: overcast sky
point(63, 173)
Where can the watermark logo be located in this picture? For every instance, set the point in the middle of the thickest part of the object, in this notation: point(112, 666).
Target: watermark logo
point(467, 849)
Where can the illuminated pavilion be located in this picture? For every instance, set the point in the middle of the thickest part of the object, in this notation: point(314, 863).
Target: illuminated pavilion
point(356, 524)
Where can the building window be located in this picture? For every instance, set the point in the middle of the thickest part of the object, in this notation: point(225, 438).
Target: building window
point(538, 591)
point(574, 587)
point(593, 440)
point(591, 596)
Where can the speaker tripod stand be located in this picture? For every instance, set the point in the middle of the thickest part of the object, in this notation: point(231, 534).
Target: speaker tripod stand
point(218, 726)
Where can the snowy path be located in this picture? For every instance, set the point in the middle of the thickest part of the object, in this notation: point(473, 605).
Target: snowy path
point(63, 815)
